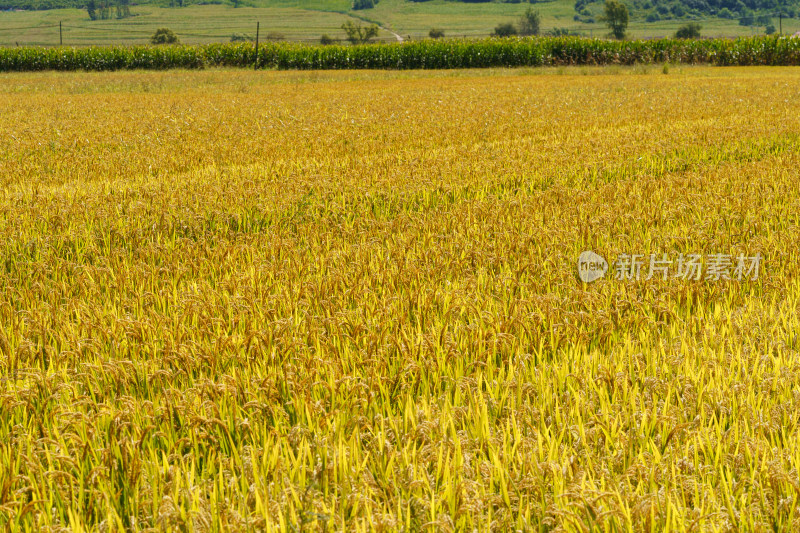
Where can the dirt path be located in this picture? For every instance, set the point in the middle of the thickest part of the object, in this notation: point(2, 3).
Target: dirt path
point(396, 35)
point(370, 21)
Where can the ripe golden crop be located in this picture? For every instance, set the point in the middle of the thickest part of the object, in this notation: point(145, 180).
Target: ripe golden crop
point(348, 301)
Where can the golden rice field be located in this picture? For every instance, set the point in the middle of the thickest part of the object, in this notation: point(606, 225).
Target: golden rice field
point(349, 301)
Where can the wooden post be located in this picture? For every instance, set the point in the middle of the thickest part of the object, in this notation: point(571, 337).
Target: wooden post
point(258, 24)
point(60, 35)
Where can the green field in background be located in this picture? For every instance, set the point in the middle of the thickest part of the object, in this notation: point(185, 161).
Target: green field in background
point(307, 20)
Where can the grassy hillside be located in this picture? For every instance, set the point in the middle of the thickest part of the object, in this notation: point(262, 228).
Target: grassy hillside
point(193, 24)
point(309, 19)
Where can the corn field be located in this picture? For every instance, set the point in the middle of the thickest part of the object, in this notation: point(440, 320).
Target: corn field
point(428, 54)
point(348, 301)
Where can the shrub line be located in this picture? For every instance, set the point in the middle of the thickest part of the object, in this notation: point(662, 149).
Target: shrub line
point(428, 54)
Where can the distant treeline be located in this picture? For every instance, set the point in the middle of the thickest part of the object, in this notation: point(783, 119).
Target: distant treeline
point(438, 54)
point(36, 5)
point(40, 5)
point(747, 12)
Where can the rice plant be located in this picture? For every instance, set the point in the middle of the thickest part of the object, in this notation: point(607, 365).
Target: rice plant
point(348, 301)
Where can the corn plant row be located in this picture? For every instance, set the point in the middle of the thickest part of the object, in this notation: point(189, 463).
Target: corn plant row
point(446, 54)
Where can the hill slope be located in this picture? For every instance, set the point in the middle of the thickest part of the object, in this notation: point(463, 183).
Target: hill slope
point(307, 20)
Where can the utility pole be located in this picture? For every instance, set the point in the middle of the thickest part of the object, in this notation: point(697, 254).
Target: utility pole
point(780, 22)
point(60, 35)
point(258, 25)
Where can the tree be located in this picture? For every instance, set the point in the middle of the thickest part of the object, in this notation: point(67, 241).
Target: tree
point(616, 18)
point(104, 10)
point(363, 4)
point(327, 39)
point(436, 33)
point(164, 36)
point(763, 20)
point(91, 8)
point(725, 13)
point(529, 22)
point(358, 34)
point(123, 9)
point(506, 29)
point(689, 31)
